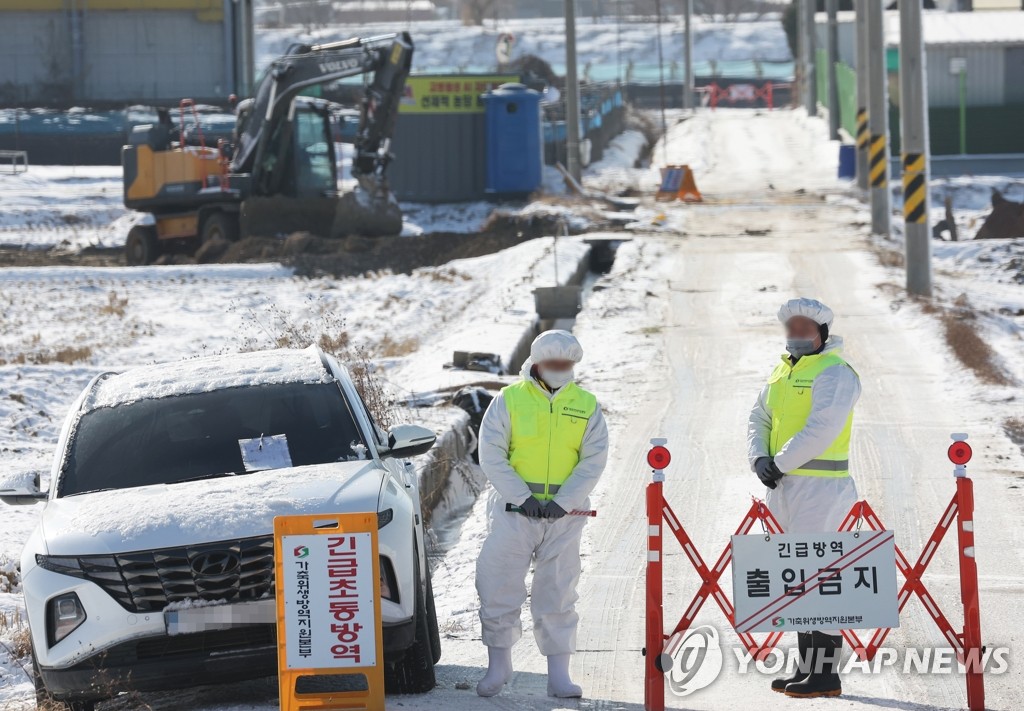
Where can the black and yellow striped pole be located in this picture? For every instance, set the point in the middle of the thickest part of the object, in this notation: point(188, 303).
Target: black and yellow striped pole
point(914, 143)
point(863, 50)
point(862, 147)
point(915, 189)
point(878, 161)
point(878, 120)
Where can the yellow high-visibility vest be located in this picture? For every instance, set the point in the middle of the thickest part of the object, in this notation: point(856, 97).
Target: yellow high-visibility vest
point(789, 400)
point(546, 434)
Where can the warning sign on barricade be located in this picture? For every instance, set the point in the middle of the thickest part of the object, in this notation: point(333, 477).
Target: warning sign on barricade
point(808, 582)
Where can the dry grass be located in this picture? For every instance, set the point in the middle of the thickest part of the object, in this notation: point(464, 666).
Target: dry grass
point(274, 327)
point(1014, 428)
point(971, 349)
point(67, 355)
point(890, 257)
point(115, 305)
point(394, 348)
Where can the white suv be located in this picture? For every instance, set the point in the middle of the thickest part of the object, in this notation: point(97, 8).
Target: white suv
point(152, 564)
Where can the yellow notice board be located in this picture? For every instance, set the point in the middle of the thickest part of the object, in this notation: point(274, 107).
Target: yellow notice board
point(327, 580)
point(449, 93)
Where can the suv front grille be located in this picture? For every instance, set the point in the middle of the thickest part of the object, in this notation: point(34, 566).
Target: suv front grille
point(147, 581)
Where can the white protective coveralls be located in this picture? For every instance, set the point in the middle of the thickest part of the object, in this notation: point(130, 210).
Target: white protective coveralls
point(809, 504)
point(514, 540)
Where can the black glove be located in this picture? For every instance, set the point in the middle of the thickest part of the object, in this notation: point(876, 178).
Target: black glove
point(531, 508)
point(767, 472)
point(553, 511)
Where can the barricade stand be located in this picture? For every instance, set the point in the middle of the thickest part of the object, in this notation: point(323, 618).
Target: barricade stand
point(327, 581)
point(658, 646)
point(736, 93)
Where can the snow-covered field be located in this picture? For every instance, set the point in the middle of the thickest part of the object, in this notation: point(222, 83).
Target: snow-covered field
point(678, 338)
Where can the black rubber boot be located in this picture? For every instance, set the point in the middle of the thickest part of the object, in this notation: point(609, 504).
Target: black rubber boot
point(803, 666)
point(826, 650)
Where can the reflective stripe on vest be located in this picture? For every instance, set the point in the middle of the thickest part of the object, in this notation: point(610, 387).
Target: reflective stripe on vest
point(789, 400)
point(546, 434)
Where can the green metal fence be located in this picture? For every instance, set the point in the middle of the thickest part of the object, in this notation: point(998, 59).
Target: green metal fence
point(846, 80)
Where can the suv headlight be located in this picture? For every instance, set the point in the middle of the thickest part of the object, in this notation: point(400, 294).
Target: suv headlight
point(64, 614)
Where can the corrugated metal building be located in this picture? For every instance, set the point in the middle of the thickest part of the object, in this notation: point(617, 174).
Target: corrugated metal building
point(97, 52)
point(991, 42)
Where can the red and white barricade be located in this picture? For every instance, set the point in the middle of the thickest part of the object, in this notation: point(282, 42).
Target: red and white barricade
point(658, 647)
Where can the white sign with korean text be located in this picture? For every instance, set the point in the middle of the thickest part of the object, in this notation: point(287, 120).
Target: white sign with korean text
point(328, 601)
point(814, 581)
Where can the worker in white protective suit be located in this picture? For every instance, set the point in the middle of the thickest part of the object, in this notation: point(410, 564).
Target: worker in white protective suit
point(543, 446)
point(798, 438)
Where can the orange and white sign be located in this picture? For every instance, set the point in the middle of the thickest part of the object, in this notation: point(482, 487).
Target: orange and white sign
point(328, 605)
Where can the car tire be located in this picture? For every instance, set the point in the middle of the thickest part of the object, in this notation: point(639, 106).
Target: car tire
point(142, 246)
point(48, 703)
point(435, 632)
point(413, 673)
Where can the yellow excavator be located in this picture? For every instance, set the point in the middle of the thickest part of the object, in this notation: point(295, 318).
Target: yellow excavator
point(278, 175)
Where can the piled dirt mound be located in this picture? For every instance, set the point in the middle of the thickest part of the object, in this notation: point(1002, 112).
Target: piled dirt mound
point(345, 256)
point(353, 255)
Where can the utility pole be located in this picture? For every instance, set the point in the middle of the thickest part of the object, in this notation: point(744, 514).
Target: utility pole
point(878, 120)
point(809, 7)
point(688, 38)
point(832, 7)
point(803, 85)
point(914, 144)
point(863, 136)
point(572, 95)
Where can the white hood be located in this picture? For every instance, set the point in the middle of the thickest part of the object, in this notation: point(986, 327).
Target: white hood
point(190, 513)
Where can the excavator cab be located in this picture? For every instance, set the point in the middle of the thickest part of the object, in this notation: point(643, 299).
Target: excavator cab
point(278, 174)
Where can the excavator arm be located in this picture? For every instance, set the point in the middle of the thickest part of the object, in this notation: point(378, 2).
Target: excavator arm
point(387, 57)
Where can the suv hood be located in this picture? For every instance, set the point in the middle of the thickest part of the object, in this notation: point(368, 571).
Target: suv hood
point(195, 512)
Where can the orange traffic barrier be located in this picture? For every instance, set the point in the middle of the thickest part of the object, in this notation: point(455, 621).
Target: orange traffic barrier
point(677, 183)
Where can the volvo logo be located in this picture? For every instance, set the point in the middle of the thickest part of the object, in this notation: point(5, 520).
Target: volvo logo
point(215, 563)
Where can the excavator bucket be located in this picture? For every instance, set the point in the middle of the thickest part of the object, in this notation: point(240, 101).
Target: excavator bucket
point(360, 213)
point(354, 213)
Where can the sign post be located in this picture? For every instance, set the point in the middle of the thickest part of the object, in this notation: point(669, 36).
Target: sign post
point(327, 581)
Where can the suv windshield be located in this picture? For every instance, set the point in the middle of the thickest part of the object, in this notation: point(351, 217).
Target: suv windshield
point(231, 431)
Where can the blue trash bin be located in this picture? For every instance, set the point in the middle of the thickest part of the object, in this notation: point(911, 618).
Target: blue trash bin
point(514, 139)
point(848, 161)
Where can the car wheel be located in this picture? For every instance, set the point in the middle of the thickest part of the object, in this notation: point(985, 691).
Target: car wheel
point(435, 633)
point(46, 702)
point(414, 672)
point(142, 246)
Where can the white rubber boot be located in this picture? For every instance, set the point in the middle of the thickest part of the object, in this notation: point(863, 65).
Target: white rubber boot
point(499, 671)
point(559, 683)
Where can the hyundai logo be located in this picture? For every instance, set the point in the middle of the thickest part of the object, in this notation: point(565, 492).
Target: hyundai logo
point(215, 563)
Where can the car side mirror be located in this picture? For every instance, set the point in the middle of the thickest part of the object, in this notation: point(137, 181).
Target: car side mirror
point(408, 441)
point(20, 488)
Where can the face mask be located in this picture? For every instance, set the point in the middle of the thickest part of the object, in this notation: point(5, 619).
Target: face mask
point(556, 379)
point(798, 347)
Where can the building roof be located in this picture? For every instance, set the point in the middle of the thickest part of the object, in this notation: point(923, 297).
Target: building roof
point(962, 28)
point(953, 28)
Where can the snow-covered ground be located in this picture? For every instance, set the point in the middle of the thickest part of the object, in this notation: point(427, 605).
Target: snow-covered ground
point(678, 339)
point(62, 326)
